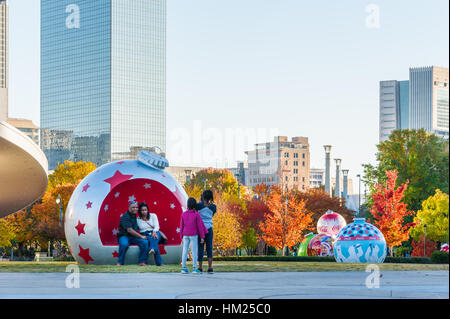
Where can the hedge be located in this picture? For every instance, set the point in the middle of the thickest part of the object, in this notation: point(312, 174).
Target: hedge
point(399, 260)
point(439, 257)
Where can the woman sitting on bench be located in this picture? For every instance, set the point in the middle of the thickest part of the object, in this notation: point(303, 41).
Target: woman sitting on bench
point(149, 227)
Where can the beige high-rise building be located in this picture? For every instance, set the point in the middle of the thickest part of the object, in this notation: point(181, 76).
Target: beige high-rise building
point(281, 162)
point(3, 60)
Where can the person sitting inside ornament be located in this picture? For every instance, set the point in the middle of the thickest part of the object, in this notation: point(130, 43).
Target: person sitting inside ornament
point(128, 235)
point(149, 227)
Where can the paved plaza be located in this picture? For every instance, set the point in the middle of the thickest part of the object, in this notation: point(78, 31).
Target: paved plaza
point(231, 285)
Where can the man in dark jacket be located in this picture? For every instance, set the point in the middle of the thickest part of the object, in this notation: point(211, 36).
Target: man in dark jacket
point(128, 235)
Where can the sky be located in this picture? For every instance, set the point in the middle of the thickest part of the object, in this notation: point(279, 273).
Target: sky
point(240, 71)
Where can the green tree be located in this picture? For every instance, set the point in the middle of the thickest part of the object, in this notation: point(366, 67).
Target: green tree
point(249, 240)
point(434, 214)
point(419, 157)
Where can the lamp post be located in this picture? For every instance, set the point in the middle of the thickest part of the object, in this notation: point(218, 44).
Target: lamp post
point(188, 172)
point(359, 195)
point(204, 183)
point(425, 241)
point(58, 201)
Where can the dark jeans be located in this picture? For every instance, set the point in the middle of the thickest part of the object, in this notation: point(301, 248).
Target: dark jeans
point(125, 242)
point(153, 244)
point(208, 242)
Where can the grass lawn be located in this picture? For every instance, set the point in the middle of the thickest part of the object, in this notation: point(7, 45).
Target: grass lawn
point(220, 266)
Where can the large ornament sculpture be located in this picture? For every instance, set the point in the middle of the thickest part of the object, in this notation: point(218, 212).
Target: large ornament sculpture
point(330, 224)
point(94, 210)
point(321, 245)
point(360, 242)
point(303, 247)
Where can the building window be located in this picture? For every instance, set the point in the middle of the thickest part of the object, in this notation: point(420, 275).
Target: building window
point(303, 163)
point(295, 163)
point(303, 155)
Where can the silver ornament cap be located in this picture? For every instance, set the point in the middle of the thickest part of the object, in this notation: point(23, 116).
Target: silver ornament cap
point(153, 160)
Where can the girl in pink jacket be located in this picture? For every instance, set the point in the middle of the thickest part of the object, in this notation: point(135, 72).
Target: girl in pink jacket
point(191, 228)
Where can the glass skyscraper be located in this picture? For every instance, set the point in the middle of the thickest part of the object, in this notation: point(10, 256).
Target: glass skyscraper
point(394, 107)
point(429, 97)
point(420, 103)
point(103, 79)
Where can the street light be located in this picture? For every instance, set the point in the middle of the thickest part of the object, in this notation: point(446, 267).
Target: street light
point(59, 202)
point(359, 195)
point(425, 241)
point(188, 175)
point(204, 183)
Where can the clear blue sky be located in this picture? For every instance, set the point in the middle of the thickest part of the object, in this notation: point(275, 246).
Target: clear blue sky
point(306, 68)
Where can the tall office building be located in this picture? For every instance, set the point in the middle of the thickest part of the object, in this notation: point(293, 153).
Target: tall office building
point(281, 162)
point(4, 28)
point(394, 107)
point(429, 99)
point(103, 79)
point(421, 102)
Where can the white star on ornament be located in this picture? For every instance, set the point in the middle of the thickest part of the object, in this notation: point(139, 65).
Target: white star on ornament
point(114, 231)
point(172, 206)
point(147, 186)
point(131, 198)
point(116, 194)
point(106, 207)
point(154, 203)
point(178, 229)
point(165, 219)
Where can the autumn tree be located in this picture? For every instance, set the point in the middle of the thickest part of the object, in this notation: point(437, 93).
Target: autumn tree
point(389, 211)
point(49, 223)
point(69, 173)
point(286, 221)
point(226, 229)
point(20, 225)
point(419, 247)
point(6, 233)
point(434, 214)
point(221, 181)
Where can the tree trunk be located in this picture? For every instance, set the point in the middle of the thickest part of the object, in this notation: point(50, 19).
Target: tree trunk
point(20, 251)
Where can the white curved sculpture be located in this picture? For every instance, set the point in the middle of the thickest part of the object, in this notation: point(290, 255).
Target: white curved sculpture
point(23, 170)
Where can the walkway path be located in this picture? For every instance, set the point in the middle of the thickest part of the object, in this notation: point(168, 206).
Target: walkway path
point(297, 285)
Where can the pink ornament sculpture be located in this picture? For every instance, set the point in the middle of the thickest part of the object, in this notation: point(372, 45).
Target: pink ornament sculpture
point(330, 224)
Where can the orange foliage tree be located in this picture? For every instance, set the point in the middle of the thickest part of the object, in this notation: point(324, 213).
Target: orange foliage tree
point(388, 210)
point(48, 225)
point(287, 220)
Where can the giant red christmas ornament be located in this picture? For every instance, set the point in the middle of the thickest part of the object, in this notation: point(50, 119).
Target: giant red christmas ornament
point(330, 224)
point(94, 210)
